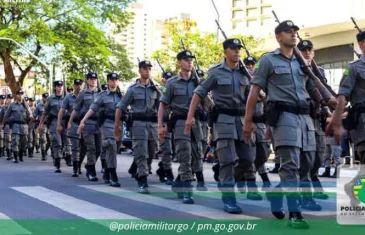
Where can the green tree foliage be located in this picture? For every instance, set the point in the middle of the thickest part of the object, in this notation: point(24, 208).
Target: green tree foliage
point(68, 33)
point(203, 45)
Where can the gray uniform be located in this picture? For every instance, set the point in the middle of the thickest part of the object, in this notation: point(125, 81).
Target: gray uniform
point(17, 115)
point(143, 101)
point(91, 132)
point(32, 131)
point(229, 93)
point(7, 131)
point(108, 101)
point(51, 110)
point(166, 146)
point(294, 134)
point(1, 132)
point(37, 114)
point(177, 95)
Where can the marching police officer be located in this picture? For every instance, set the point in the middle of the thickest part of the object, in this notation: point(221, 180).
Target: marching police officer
point(32, 131)
point(50, 116)
point(229, 88)
point(91, 132)
point(143, 98)
point(38, 112)
point(7, 131)
point(64, 115)
point(2, 105)
point(108, 100)
point(17, 115)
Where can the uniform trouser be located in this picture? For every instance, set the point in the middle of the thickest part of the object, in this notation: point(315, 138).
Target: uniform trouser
point(276, 158)
point(30, 143)
point(56, 144)
point(93, 147)
point(227, 152)
point(36, 138)
point(262, 152)
point(43, 140)
point(1, 139)
point(335, 152)
point(18, 142)
point(166, 153)
point(7, 140)
point(318, 161)
point(78, 148)
point(110, 146)
point(143, 150)
point(66, 144)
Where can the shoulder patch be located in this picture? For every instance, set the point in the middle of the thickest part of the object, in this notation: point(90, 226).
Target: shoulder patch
point(257, 65)
point(346, 72)
point(164, 90)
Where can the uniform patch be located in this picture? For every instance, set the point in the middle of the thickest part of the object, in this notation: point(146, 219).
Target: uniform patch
point(346, 72)
point(164, 90)
point(257, 65)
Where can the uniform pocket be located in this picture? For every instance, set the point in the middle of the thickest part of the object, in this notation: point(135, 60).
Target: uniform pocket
point(283, 76)
point(224, 85)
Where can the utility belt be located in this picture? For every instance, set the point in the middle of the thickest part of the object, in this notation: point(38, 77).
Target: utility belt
point(49, 119)
point(353, 117)
point(260, 119)
point(214, 114)
point(276, 108)
point(144, 119)
point(174, 118)
point(11, 123)
point(104, 117)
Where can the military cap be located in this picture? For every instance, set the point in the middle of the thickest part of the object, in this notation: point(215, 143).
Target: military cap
point(70, 89)
point(285, 25)
point(184, 55)
point(26, 98)
point(167, 75)
point(2, 97)
point(200, 72)
point(58, 83)
point(104, 87)
point(19, 91)
point(91, 75)
point(305, 44)
point(360, 36)
point(145, 63)
point(112, 76)
point(249, 60)
point(78, 82)
point(31, 99)
point(232, 43)
point(9, 96)
point(45, 95)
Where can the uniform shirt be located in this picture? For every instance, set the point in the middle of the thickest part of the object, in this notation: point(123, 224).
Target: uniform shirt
point(283, 80)
point(107, 101)
point(229, 88)
point(39, 110)
point(83, 103)
point(53, 105)
point(142, 99)
point(68, 103)
point(18, 113)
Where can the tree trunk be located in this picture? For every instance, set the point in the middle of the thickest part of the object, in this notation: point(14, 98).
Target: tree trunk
point(9, 73)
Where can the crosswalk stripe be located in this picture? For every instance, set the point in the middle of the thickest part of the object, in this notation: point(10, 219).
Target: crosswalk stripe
point(197, 210)
point(9, 226)
point(73, 205)
point(212, 193)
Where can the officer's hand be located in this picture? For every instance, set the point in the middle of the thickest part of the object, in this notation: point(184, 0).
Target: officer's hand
point(117, 131)
point(81, 128)
point(268, 134)
point(162, 131)
point(68, 127)
point(332, 102)
point(1, 126)
point(59, 130)
point(248, 128)
point(336, 129)
point(190, 122)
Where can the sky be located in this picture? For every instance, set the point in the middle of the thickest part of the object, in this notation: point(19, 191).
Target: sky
point(202, 11)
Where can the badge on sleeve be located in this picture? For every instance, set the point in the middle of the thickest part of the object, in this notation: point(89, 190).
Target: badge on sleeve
point(346, 72)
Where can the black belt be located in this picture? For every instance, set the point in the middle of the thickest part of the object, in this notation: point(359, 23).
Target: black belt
point(19, 122)
point(145, 119)
point(110, 117)
point(94, 118)
point(258, 119)
point(292, 109)
point(230, 112)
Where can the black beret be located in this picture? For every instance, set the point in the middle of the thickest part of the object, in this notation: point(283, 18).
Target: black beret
point(285, 25)
point(91, 75)
point(250, 59)
point(232, 43)
point(58, 83)
point(304, 44)
point(113, 76)
point(184, 55)
point(78, 82)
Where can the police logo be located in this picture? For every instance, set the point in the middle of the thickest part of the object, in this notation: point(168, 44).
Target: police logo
point(93, 75)
point(188, 53)
point(289, 23)
point(168, 74)
point(305, 43)
point(236, 41)
point(147, 63)
point(114, 75)
point(250, 58)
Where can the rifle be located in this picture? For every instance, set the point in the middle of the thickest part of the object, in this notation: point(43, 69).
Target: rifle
point(158, 62)
point(306, 67)
point(353, 49)
point(241, 66)
point(193, 70)
point(356, 26)
point(64, 85)
point(244, 46)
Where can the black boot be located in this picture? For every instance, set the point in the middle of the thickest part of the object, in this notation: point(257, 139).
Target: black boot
point(15, 154)
point(37, 149)
point(106, 176)
point(161, 173)
point(200, 186)
point(187, 192)
point(275, 170)
point(57, 164)
point(215, 169)
point(176, 187)
point(114, 182)
point(229, 199)
point(266, 181)
point(30, 152)
point(142, 184)
point(241, 185)
point(252, 193)
point(44, 156)
point(1, 152)
point(276, 200)
point(91, 173)
point(318, 194)
point(21, 156)
point(103, 165)
point(133, 169)
point(75, 167)
point(334, 173)
point(326, 173)
point(68, 159)
point(308, 202)
point(296, 220)
point(170, 177)
point(8, 154)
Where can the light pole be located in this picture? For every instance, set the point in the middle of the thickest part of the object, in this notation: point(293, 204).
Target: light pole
point(48, 67)
point(215, 7)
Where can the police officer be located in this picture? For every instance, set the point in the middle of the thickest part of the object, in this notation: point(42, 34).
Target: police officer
point(143, 98)
point(17, 115)
point(38, 112)
point(2, 105)
point(63, 117)
point(32, 131)
point(91, 132)
point(108, 100)
point(177, 96)
point(229, 91)
point(352, 89)
point(288, 91)
point(104, 87)
point(7, 131)
point(50, 116)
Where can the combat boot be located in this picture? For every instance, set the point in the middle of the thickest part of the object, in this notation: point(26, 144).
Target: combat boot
point(276, 202)
point(103, 165)
point(275, 170)
point(229, 199)
point(252, 192)
point(106, 176)
point(241, 185)
point(36, 149)
point(15, 154)
point(176, 187)
point(68, 159)
point(142, 184)
point(335, 173)
point(57, 164)
point(266, 182)
point(44, 156)
point(1, 152)
point(215, 169)
point(114, 182)
point(187, 192)
point(8, 154)
point(20, 156)
point(133, 169)
point(326, 173)
point(91, 173)
point(75, 167)
point(170, 177)
point(297, 221)
point(200, 186)
point(161, 173)
point(30, 152)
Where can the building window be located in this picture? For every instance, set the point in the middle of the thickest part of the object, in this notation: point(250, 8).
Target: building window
point(265, 1)
point(251, 2)
point(238, 15)
point(266, 21)
point(251, 23)
point(251, 12)
point(334, 72)
point(239, 3)
point(265, 10)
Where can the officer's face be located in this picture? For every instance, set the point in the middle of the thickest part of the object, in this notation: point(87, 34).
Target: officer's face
point(233, 54)
point(2, 101)
point(8, 101)
point(77, 88)
point(145, 72)
point(92, 82)
point(59, 89)
point(113, 83)
point(362, 46)
point(44, 100)
point(250, 66)
point(308, 54)
point(186, 64)
point(287, 38)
